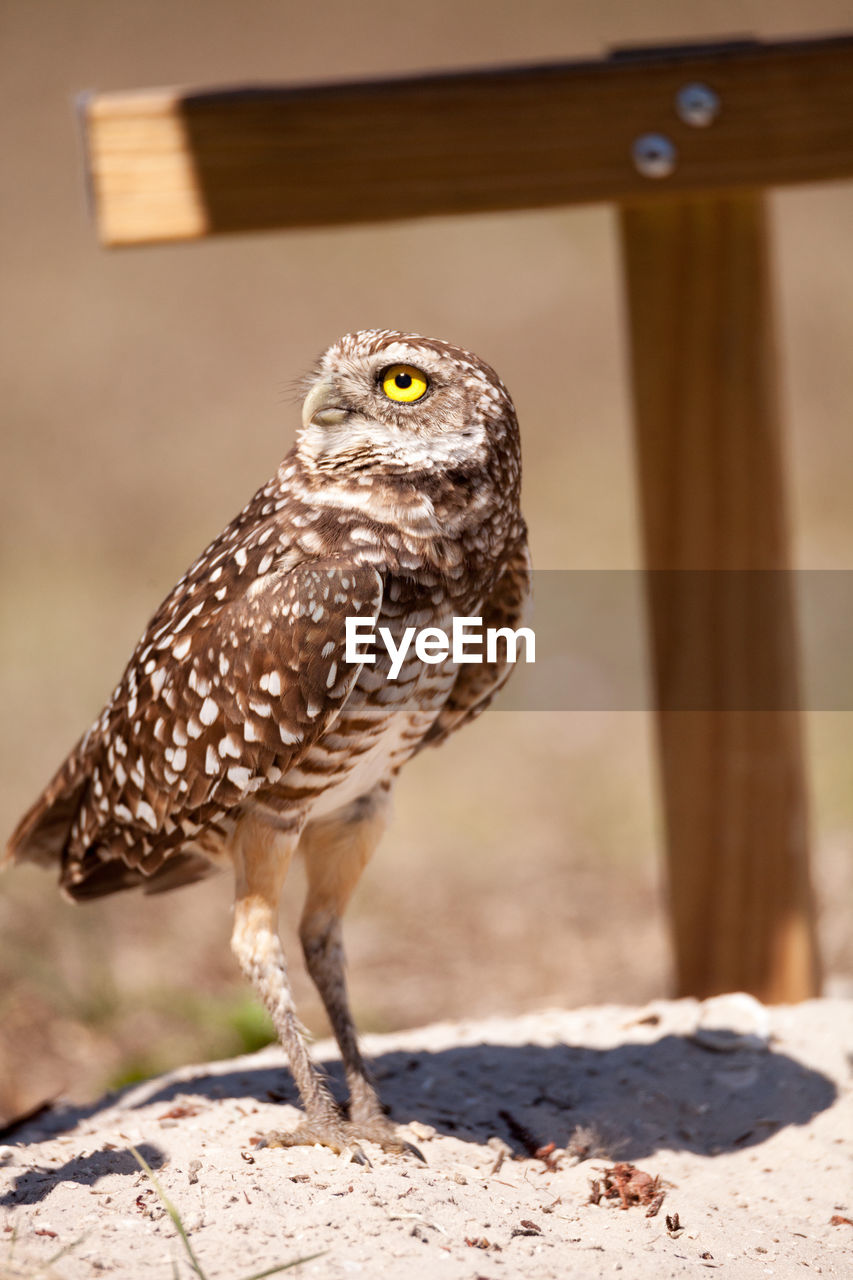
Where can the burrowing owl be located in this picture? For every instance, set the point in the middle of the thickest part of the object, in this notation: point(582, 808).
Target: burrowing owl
point(239, 733)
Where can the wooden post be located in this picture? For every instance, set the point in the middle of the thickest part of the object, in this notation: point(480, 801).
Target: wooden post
point(712, 497)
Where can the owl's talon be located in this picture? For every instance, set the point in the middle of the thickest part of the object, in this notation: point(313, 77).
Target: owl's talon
point(356, 1155)
point(380, 1130)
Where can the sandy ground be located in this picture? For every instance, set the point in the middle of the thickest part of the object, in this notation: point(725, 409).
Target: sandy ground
point(743, 1114)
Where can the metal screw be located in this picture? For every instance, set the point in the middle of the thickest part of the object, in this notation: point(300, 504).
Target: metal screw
point(697, 105)
point(654, 155)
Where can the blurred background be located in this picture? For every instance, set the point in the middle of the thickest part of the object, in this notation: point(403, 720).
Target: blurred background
point(146, 393)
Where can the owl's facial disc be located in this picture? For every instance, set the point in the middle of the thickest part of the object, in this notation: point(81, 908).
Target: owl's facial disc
point(381, 402)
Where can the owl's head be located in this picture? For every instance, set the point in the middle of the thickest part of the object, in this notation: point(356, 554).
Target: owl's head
point(380, 401)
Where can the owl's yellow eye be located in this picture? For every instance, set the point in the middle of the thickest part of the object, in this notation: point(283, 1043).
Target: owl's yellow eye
point(404, 383)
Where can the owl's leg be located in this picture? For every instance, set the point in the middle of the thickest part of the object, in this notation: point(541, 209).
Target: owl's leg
point(336, 851)
point(261, 857)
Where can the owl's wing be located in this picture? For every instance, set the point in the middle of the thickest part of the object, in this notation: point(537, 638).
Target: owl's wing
point(208, 713)
point(477, 683)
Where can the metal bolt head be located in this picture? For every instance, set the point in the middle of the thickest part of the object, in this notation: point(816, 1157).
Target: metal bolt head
point(697, 105)
point(654, 155)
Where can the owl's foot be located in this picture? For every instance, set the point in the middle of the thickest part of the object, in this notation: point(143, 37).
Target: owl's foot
point(344, 1137)
point(326, 1132)
point(368, 1121)
point(379, 1129)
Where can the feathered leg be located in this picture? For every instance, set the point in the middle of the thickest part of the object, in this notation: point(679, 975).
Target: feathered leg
point(336, 851)
point(262, 856)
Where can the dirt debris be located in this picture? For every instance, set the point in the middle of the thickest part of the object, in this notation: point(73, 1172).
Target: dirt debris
point(630, 1186)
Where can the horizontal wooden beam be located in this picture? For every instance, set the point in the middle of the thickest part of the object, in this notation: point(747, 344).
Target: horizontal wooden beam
point(178, 164)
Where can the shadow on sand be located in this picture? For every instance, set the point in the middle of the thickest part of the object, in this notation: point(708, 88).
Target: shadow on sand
point(632, 1099)
point(34, 1184)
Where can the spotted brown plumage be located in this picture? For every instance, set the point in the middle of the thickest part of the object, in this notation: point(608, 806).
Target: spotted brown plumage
point(239, 732)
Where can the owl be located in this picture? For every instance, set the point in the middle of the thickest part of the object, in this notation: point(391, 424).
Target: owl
point(241, 732)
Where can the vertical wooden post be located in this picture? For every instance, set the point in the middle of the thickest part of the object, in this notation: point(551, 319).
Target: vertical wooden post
point(713, 498)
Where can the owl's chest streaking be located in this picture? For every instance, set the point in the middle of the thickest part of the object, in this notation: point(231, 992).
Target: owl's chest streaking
point(391, 708)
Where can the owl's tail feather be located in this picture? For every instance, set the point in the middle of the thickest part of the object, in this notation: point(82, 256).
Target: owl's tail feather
point(42, 833)
point(101, 876)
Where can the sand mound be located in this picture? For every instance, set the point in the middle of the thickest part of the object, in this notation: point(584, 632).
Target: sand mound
point(741, 1117)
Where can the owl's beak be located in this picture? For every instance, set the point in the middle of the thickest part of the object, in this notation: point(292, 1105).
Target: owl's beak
point(322, 406)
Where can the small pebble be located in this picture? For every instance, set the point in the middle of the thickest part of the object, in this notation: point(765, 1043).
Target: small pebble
point(422, 1131)
point(732, 1023)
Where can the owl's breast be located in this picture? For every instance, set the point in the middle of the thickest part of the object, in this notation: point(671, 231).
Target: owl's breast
point(384, 720)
